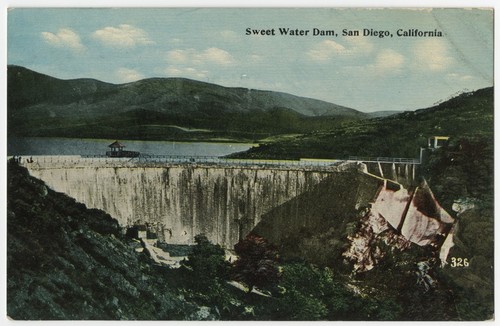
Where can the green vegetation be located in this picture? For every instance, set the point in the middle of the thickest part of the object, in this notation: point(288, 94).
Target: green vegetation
point(159, 109)
point(401, 135)
point(257, 262)
point(462, 172)
point(65, 261)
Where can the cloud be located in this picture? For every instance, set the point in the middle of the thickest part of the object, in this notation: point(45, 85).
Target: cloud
point(359, 45)
point(128, 75)
point(191, 63)
point(388, 61)
point(329, 49)
point(193, 57)
point(65, 38)
point(255, 58)
point(431, 55)
point(326, 50)
point(229, 35)
point(459, 77)
point(217, 56)
point(187, 72)
point(123, 36)
point(178, 56)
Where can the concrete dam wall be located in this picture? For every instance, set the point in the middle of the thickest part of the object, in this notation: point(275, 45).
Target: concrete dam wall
point(178, 202)
point(322, 214)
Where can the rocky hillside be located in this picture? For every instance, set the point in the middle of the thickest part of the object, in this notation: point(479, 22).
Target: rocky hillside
point(158, 108)
point(67, 262)
point(400, 135)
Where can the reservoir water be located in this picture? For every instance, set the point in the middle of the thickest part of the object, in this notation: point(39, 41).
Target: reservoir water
point(72, 146)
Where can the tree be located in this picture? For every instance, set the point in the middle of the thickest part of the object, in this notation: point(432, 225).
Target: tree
point(206, 262)
point(257, 264)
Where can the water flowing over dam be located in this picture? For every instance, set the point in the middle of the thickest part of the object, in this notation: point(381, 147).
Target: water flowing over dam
point(226, 202)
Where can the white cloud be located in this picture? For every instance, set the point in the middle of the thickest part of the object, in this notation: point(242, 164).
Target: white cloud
point(65, 38)
point(459, 77)
point(123, 36)
point(329, 49)
point(326, 50)
point(217, 56)
point(431, 54)
point(194, 57)
point(359, 45)
point(186, 72)
point(128, 75)
point(388, 61)
point(178, 56)
point(255, 58)
point(229, 35)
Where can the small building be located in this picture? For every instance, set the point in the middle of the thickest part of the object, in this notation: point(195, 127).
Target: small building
point(138, 231)
point(116, 146)
point(116, 150)
point(437, 141)
point(142, 232)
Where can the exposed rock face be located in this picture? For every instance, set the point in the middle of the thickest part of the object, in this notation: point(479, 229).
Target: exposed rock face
point(363, 251)
point(400, 217)
point(351, 212)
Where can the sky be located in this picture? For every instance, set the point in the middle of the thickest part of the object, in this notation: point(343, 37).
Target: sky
point(367, 73)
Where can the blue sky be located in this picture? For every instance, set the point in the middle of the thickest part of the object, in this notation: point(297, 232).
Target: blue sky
point(365, 73)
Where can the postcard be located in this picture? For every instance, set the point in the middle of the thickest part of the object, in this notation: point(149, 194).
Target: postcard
point(250, 164)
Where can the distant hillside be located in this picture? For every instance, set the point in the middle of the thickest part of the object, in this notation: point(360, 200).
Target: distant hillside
point(159, 108)
point(400, 135)
point(381, 114)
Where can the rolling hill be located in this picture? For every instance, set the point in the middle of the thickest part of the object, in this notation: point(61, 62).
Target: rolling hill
point(400, 135)
point(160, 109)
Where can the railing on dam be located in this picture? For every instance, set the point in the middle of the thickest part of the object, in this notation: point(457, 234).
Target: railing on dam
point(384, 159)
point(154, 160)
point(159, 160)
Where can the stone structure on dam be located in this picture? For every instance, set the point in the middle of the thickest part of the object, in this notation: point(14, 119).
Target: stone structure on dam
point(302, 209)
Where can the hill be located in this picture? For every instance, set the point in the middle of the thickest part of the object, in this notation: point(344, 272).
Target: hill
point(400, 135)
point(65, 261)
point(159, 108)
point(382, 114)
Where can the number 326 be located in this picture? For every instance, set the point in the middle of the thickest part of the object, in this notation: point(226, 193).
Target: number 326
point(459, 262)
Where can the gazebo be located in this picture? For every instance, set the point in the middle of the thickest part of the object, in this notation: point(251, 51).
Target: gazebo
point(116, 146)
point(117, 151)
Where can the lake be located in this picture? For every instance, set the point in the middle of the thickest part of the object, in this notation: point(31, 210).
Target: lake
point(71, 146)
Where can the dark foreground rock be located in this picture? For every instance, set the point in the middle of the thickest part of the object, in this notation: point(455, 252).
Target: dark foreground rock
point(65, 261)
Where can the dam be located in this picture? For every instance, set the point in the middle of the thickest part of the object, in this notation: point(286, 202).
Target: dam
point(177, 201)
point(226, 200)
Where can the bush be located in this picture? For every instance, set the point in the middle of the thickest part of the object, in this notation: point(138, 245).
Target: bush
point(257, 263)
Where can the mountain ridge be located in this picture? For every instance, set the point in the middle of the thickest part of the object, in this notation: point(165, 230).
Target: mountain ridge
point(326, 106)
point(399, 135)
point(41, 105)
